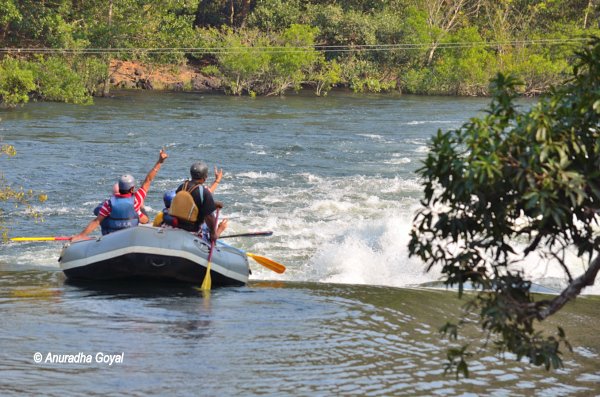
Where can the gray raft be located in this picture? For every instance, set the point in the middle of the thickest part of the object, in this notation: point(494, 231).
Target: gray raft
point(146, 252)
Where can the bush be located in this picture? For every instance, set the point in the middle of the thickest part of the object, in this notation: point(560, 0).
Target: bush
point(252, 62)
point(92, 72)
point(275, 15)
point(457, 70)
point(56, 81)
point(16, 82)
point(241, 58)
point(324, 75)
point(465, 70)
point(418, 81)
point(364, 76)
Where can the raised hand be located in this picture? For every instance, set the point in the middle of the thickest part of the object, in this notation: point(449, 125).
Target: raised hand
point(218, 174)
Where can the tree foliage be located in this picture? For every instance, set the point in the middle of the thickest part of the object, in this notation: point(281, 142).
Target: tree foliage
point(262, 64)
point(46, 78)
point(15, 83)
point(505, 186)
point(450, 47)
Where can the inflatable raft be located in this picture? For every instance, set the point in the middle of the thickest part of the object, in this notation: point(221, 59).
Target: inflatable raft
point(146, 252)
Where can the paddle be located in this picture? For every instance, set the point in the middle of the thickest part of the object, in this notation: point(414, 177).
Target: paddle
point(206, 284)
point(56, 238)
point(251, 234)
point(266, 262)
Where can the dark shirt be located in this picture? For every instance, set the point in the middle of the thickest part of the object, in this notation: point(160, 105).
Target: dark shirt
point(206, 206)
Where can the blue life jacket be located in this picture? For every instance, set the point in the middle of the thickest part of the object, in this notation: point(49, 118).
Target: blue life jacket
point(168, 219)
point(104, 223)
point(122, 214)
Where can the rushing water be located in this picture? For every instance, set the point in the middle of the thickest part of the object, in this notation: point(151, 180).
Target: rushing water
point(332, 177)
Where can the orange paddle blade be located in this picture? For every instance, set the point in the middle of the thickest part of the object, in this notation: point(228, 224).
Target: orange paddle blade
point(268, 263)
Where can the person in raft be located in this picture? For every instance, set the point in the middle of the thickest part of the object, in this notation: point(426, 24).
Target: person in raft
point(105, 224)
point(163, 217)
point(194, 204)
point(123, 209)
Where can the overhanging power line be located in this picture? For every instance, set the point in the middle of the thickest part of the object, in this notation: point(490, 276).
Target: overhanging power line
point(289, 49)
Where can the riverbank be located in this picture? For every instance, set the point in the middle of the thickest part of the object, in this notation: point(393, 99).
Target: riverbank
point(127, 75)
point(137, 75)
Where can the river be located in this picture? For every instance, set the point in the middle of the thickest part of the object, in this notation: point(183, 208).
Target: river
point(332, 177)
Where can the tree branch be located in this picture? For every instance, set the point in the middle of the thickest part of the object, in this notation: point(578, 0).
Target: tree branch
point(562, 263)
point(574, 289)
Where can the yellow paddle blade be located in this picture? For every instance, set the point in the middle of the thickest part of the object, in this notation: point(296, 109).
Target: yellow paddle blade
point(35, 293)
point(206, 284)
point(38, 238)
point(268, 263)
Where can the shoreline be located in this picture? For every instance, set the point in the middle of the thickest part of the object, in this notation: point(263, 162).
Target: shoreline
point(137, 76)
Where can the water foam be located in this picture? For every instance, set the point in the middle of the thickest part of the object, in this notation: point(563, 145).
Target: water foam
point(351, 230)
point(341, 234)
point(258, 175)
point(372, 253)
point(421, 122)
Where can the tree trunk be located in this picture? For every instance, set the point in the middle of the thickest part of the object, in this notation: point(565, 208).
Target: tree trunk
point(201, 18)
point(430, 54)
point(572, 290)
point(3, 31)
point(106, 88)
point(589, 8)
point(244, 12)
point(445, 15)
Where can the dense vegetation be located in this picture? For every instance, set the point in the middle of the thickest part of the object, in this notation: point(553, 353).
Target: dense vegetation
point(532, 177)
point(266, 47)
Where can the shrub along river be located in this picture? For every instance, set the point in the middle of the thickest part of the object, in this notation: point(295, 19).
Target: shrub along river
point(332, 177)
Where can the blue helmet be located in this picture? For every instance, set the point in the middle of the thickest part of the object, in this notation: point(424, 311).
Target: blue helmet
point(168, 197)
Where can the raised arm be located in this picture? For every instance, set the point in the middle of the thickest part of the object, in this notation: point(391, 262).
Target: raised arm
point(152, 174)
point(218, 177)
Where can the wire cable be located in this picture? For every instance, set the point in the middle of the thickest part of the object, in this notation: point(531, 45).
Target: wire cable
point(289, 49)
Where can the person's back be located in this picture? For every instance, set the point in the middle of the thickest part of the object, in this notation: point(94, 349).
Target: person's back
point(122, 213)
point(104, 223)
point(193, 203)
point(120, 210)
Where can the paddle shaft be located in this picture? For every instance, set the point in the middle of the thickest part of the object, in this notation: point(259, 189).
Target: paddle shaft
point(250, 234)
point(207, 283)
point(56, 238)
